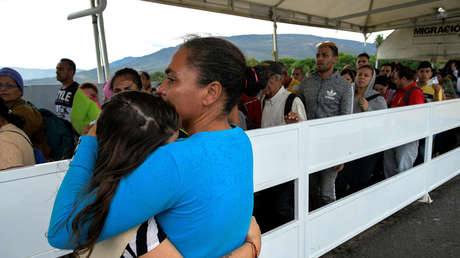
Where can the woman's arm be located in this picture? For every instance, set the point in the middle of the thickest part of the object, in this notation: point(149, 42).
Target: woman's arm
point(77, 176)
point(164, 184)
point(246, 250)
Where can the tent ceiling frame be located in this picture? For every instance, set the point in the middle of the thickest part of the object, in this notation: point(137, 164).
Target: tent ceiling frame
point(418, 21)
point(250, 9)
point(233, 7)
point(371, 4)
point(385, 9)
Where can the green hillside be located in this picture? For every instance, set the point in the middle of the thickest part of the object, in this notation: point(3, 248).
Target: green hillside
point(254, 46)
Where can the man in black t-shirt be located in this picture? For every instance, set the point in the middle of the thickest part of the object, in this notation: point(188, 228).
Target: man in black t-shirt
point(65, 70)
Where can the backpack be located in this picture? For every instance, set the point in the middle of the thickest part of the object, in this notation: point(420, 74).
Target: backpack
point(60, 134)
point(407, 96)
point(290, 101)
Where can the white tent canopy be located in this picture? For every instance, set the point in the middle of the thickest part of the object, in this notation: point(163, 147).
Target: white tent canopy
point(363, 16)
point(436, 43)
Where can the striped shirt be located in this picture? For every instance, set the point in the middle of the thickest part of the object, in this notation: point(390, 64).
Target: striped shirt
point(148, 236)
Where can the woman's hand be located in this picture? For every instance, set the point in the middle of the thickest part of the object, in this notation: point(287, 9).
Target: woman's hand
point(247, 249)
point(92, 129)
point(254, 234)
point(291, 118)
point(85, 130)
point(363, 104)
point(437, 90)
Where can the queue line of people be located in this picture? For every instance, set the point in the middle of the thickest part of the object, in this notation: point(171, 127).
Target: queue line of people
point(367, 89)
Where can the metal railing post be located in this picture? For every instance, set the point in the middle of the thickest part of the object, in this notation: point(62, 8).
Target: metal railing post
point(428, 152)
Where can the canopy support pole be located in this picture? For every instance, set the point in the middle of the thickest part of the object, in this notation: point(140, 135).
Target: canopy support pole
point(96, 43)
point(275, 37)
point(105, 57)
point(95, 12)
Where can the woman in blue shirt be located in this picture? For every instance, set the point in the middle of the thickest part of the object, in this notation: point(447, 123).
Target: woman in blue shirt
point(199, 189)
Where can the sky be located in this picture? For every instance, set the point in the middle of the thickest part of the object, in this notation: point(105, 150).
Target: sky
point(36, 34)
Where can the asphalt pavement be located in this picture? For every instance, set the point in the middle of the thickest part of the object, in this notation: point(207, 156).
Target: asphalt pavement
point(419, 230)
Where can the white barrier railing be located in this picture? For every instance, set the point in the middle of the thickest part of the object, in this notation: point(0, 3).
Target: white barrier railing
point(281, 154)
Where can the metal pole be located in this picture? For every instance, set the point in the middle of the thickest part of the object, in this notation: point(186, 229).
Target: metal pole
point(275, 38)
point(96, 41)
point(99, 35)
point(101, 4)
point(104, 47)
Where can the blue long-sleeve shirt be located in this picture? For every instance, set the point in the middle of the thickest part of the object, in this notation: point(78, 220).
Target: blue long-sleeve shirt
point(201, 190)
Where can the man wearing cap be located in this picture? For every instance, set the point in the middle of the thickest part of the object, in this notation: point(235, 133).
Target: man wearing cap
point(275, 100)
point(326, 94)
point(274, 108)
point(11, 91)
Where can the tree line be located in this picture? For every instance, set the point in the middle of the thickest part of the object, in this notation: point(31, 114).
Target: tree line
point(309, 64)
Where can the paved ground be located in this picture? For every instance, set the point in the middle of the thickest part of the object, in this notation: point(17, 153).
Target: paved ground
point(419, 230)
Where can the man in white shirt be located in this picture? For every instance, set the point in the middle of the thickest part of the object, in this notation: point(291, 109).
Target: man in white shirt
point(280, 109)
point(275, 112)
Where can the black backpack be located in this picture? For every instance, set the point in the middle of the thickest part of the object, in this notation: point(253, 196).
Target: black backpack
point(60, 134)
point(289, 102)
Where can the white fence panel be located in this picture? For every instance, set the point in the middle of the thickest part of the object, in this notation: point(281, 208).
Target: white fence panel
point(276, 155)
point(339, 139)
point(27, 200)
point(443, 168)
point(332, 225)
point(446, 115)
point(283, 242)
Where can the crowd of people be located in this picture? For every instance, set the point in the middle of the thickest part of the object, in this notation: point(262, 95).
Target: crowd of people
point(131, 170)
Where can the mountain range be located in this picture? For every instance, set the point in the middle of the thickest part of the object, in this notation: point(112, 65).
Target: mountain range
point(253, 46)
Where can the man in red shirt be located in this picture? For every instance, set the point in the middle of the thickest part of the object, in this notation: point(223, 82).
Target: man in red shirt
point(401, 158)
point(405, 95)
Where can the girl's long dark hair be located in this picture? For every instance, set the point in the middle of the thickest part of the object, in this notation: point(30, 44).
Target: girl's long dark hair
point(131, 126)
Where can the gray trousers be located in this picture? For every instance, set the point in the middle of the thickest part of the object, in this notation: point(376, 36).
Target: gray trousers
point(399, 159)
point(322, 187)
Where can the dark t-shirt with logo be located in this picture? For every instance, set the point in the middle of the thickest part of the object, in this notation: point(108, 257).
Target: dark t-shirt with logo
point(64, 101)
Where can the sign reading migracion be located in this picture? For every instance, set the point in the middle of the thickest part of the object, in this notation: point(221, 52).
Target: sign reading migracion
point(437, 30)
